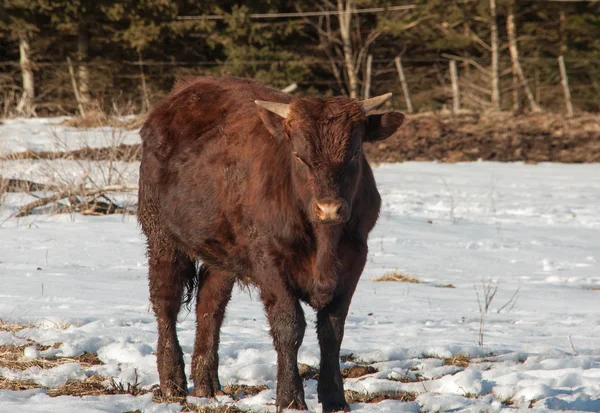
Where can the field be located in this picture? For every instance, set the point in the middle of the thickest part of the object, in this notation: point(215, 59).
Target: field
point(489, 298)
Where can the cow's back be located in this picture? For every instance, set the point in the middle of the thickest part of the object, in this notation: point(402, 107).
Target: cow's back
point(197, 143)
point(198, 105)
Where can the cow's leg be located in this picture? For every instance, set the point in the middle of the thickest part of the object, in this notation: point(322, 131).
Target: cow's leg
point(169, 273)
point(330, 328)
point(287, 322)
point(214, 292)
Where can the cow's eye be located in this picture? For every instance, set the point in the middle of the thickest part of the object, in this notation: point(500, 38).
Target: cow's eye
point(298, 158)
point(356, 154)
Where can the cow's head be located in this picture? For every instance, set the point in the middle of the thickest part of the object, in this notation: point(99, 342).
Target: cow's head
point(324, 139)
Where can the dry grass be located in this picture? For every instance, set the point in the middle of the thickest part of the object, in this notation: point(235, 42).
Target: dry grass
point(13, 327)
point(13, 357)
point(188, 407)
point(348, 357)
point(121, 152)
point(459, 360)
point(95, 119)
point(397, 277)
point(407, 379)
point(356, 397)
point(91, 386)
point(594, 288)
point(239, 391)
point(17, 384)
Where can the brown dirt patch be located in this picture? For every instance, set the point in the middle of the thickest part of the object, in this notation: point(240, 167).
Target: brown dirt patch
point(459, 360)
point(356, 397)
point(357, 370)
point(500, 137)
point(308, 372)
point(239, 391)
point(397, 277)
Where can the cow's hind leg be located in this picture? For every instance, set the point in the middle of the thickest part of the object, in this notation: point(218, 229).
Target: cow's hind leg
point(169, 273)
point(214, 292)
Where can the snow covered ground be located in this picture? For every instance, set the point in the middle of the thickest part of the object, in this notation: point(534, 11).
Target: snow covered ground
point(81, 281)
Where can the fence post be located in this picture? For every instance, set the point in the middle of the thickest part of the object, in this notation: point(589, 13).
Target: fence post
point(146, 99)
point(75, 90)
point(409, 105)
point(564, 80)
point(368, 75)
point(455, 94)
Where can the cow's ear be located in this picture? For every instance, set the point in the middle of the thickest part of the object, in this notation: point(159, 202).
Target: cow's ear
point(382, 126)
point(273, 122)
point(272, 115)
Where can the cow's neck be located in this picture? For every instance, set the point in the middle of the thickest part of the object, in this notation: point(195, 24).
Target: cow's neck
point(327, 263)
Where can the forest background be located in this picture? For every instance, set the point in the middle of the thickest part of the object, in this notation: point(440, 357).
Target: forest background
point(60, 57)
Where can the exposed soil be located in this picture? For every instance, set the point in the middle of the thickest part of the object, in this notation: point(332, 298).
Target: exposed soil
point(492, 136)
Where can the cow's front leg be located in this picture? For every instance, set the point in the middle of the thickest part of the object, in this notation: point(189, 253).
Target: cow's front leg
point(287, 329)
point(330, 328)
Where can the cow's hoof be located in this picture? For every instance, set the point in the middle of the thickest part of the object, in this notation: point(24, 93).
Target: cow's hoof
point(170, 391)
point(336, 407)
point(206, 392)
point(292, 405)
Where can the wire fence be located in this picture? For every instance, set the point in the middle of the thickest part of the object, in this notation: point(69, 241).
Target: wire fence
point(118, 84)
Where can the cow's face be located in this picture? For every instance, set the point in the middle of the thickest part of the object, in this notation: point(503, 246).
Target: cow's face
point(324, 138)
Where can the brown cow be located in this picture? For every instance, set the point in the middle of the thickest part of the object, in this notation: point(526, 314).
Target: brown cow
point(265, 188)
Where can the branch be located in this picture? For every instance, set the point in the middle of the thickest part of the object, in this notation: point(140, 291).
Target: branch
point(26, 209)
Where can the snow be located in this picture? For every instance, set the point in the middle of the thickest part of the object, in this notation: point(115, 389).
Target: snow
point(81, 281)
point(50, 134)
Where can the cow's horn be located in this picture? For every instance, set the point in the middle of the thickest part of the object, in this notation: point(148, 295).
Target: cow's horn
point(372, 103)
point(281, 109)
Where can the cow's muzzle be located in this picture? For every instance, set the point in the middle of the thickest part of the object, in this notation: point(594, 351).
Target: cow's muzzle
point(330, 210)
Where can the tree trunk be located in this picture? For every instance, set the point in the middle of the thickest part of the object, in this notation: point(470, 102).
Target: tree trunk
point(345, 19)
point(562, 32)
point(455, 92)
point(25, 106)
point(494, 47)
point(514, 55)
point(83, 46)
point(565, 84)
point(368, 76)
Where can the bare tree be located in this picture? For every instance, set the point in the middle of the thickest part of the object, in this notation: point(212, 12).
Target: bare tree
point(514, 55)
point(83, 46)
point(495, 51)
point(345, 18)
point(25, 106)
point(344, 43)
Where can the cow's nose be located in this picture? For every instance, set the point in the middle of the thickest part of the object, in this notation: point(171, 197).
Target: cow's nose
point(330, 210)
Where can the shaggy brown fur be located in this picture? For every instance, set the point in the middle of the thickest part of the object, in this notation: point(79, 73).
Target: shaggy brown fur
point(284, 203)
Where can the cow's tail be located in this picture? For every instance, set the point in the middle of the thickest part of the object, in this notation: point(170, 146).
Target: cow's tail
point(190, 288)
